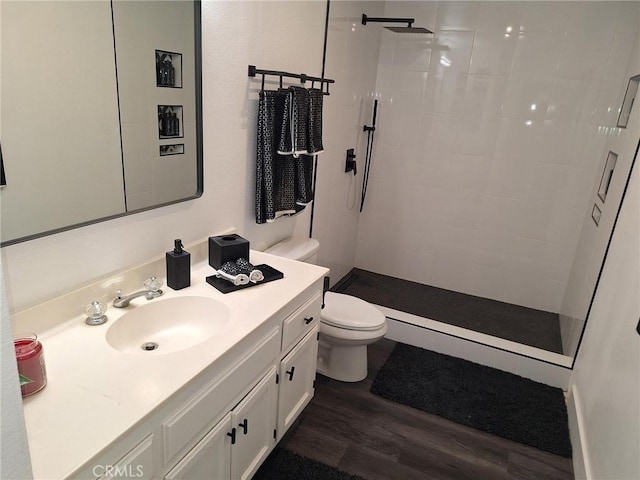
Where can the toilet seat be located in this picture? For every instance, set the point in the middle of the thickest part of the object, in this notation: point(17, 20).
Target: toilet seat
point(351, 313)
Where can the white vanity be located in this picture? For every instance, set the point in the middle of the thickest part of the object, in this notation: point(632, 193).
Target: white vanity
point(214, 409)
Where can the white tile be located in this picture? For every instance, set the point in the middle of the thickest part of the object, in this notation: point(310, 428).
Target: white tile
point(450, 267)
point(536, 55)
point(528, 97)
point(445, 344)
point(403, 115)
point(501, 214)
point(403, 333)
point(587, 42)
point(517, 147)
point(438, 133)
point(486, 282)
point(490, 357)
point(457, 15)
point(547, 16)
point(466, 184)
point(546, 373)
point(412, 52)
point(480, 122)
point(496, 37)
point(572, 99)
point(448, 71)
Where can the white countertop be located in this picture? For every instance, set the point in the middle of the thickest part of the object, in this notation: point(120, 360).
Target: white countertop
point(96, 393)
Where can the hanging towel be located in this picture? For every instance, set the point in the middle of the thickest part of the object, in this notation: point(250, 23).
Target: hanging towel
point(295, 125)
point(272, 175)
point(314, 136)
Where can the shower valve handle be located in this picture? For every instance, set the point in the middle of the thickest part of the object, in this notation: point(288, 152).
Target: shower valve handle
point(350, 165)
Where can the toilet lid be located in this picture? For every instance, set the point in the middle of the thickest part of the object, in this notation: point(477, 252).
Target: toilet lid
point(345, 311)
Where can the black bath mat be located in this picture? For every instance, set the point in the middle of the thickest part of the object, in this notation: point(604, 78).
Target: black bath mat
point(480, 397)
point(285, 465)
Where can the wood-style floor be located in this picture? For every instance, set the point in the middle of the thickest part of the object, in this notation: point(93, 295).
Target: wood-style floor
point(349, 428)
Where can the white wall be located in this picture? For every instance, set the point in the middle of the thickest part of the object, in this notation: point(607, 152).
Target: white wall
point(472, 189)
point(606, 378)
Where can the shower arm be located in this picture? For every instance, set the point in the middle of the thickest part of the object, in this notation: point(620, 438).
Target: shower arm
point(366, 19)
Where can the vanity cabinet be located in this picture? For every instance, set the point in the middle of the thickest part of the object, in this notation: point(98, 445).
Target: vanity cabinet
point(225, 422)
point(239, 443)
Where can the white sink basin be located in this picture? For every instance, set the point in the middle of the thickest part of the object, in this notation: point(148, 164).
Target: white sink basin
point(168, 325)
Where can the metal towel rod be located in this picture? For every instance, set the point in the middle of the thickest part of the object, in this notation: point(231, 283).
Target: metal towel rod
point(253, 71)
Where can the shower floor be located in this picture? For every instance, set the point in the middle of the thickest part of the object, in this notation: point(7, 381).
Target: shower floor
point(528, 326)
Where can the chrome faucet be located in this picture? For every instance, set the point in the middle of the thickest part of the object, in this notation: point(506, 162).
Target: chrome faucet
point(152, 290)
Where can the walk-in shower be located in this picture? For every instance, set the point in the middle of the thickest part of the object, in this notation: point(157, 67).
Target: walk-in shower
point(492, 137)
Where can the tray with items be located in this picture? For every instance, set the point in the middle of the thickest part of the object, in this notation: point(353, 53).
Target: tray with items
point(226, 281)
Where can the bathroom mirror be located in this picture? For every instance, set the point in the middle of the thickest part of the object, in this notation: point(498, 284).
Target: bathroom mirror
point(101, 111)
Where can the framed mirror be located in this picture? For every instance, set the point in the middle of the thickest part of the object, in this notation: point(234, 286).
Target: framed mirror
point(101, 111)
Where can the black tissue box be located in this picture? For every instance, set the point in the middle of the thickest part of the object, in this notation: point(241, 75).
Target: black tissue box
point(227, 248)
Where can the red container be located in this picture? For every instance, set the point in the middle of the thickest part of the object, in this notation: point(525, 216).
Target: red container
point(31, 367)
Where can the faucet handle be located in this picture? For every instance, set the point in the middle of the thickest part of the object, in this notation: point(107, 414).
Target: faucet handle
point(153, 284)
point(95, 313)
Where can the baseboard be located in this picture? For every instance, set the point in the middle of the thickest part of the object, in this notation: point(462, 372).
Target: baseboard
point(581, 465)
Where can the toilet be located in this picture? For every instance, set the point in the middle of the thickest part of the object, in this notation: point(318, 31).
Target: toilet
point(347, 325)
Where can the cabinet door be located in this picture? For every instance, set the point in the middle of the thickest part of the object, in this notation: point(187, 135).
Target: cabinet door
point(209, 459)
point(254, 419)
point(297, 376)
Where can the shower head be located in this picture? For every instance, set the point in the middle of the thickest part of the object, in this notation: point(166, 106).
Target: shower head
point(408, 29)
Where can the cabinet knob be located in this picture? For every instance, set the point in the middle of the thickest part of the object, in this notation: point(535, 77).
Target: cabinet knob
point(290, 373)
point(245, 426)
point(232, 434)
point(308, 320)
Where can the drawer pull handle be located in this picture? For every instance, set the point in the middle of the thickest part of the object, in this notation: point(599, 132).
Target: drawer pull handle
point(232, 434)
point(308, 320)
point(290, 373)
point(245, 426)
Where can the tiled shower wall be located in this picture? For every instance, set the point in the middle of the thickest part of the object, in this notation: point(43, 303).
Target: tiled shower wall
point(594, 238)
point(490, 136)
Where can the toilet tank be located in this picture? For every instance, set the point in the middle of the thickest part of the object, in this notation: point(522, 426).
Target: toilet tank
point(297, 248)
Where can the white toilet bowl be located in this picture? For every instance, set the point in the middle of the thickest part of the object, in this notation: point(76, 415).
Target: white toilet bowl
point(348, 324)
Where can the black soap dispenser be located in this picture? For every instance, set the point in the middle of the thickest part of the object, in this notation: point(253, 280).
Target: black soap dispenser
point(178, 267)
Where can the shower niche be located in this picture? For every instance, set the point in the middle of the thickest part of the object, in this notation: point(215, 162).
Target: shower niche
point(607, 175)
point(629, 99)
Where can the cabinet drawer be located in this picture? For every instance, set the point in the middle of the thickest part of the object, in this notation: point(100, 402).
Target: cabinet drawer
point(138, 463)
point(184, 429)
point(301, 321)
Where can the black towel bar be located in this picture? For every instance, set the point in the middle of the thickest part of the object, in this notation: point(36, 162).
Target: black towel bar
point(253, 71)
